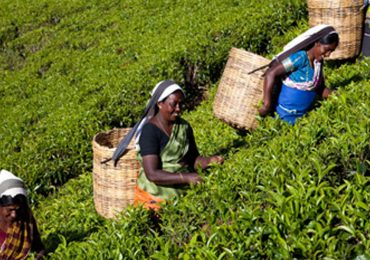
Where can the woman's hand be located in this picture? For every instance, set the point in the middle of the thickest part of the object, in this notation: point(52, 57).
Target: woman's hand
point(216, 159)
point(263, 111)
point(192, 178)
point(204, 162)
point(40, 255)
point(326, 92)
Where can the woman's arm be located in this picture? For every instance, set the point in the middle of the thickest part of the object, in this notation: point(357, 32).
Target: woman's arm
point(37, 245)
point(272, 74)
point(154, 173)
point(323, 91)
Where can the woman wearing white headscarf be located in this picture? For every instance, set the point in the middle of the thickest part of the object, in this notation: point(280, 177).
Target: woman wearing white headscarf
point(18, 230)
point(167, 149)
point(300, 68)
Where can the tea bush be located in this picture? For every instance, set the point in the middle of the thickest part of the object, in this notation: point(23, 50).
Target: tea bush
point(283, 192)
point(72, 69)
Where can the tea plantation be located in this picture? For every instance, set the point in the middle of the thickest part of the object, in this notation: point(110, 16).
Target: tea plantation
point(71, 69)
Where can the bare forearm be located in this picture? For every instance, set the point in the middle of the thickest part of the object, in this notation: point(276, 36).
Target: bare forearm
point(37, 245)
point(270, 79)
point(161, 177)
point(267, 90)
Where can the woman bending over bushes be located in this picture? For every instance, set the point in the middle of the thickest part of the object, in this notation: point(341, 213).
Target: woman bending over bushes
point(301, 73)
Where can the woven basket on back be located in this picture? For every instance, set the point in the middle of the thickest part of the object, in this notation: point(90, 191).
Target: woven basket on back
point(239, 93)
point(114, 186)
point(346, 16)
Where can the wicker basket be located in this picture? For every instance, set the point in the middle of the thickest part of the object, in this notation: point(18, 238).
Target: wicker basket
point(114, 187)
point(346, 16)
point(239, 93)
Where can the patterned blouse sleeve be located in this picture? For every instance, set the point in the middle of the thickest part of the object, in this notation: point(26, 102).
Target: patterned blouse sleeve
point(294, 61)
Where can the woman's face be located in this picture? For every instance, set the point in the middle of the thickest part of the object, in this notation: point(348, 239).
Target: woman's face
point(9, 213)
point(171, 107)
point(322, 51)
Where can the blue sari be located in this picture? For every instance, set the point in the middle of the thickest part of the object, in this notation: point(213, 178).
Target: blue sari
point(298, 91)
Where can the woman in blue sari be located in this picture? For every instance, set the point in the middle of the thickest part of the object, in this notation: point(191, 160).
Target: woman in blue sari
point(302, 78)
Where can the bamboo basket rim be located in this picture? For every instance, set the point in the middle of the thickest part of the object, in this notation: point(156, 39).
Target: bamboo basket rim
point(107, 133)
point(320, 4)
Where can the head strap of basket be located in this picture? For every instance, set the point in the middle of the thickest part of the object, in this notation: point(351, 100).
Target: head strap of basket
point(162, 90)
point(301, 42)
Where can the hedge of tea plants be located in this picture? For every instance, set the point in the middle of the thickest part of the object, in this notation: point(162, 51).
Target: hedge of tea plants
point(283, 192)
point(70, 69)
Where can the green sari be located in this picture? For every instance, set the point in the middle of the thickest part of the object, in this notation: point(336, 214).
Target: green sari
point(171, 156)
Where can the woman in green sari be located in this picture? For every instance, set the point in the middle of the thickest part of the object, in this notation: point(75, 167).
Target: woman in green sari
point(167, 149)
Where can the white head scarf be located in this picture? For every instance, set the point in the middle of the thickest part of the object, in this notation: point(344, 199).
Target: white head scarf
point(10, 185)
point(168, 91)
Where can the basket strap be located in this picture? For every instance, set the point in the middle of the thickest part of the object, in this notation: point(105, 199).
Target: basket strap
point(301, 42)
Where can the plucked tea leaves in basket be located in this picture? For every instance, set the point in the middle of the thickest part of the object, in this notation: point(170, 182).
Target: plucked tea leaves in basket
point(114, 186)
point(239, 93)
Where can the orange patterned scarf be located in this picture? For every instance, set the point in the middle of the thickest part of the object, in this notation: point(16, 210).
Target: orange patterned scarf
point(17, 243)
